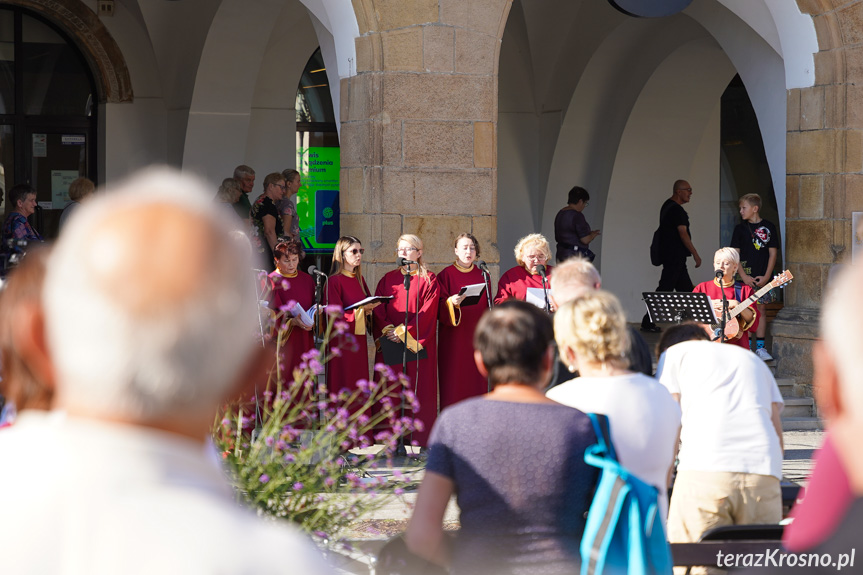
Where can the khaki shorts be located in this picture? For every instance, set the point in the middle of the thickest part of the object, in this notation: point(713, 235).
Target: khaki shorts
point(702, 500)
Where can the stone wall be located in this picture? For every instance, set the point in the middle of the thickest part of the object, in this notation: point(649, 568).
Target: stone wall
point(824, 176)
point(419, 124)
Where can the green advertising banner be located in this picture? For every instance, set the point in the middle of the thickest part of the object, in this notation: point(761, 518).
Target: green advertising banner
point(318, 198)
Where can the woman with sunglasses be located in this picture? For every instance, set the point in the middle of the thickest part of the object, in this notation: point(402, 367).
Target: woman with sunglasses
point(457, 371)
point(346, 287)
point(421, 302)
point(531, 251)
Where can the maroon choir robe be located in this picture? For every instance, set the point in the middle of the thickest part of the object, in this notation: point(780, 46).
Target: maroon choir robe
point(459, 378)
point(714, 292)
point(352, 365)
point(423, 379)
point(301, 289)
point(514, 283)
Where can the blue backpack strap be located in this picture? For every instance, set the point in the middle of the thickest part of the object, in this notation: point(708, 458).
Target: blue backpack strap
point(602, 429)
point(738, 291)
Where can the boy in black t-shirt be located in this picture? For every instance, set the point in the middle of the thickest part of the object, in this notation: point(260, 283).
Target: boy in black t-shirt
point(757, 241)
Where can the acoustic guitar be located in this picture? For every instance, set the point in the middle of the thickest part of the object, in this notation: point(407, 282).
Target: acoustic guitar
point(732, 326)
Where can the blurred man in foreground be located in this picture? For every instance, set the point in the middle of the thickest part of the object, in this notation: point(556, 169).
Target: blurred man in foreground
point(148, 324)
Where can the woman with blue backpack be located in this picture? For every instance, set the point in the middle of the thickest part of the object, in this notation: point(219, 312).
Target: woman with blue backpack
point(513, 458)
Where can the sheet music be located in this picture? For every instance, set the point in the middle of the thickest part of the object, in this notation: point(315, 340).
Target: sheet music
point(536, 297)
point(305, 316)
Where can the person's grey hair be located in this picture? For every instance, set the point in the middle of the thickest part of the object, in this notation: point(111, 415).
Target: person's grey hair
point(229, 192)
point(572, 278)
point(114, 356)
point(242, 171)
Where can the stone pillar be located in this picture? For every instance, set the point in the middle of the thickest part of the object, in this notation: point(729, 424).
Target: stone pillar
point(824, 177)
point(419, 123)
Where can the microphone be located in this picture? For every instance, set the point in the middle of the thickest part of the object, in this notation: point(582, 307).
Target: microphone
point(541, 269)
point(719, 274)
point(315, 271)
point(483, 267)
point(400, 261)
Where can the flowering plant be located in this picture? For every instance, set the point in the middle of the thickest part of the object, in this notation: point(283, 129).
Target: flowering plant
point(289, 451)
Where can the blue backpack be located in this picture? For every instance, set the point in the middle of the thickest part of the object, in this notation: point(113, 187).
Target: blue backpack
point(624, 532)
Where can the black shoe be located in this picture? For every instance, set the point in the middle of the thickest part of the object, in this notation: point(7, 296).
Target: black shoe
point(652, 328)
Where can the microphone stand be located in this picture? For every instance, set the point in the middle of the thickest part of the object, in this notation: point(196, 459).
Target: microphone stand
point(545, 291)
point(486, 279)
point(723, 320)
point(318, 336)
point(401, 450)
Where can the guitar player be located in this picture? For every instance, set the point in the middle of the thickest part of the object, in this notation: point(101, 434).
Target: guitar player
point(727, 261)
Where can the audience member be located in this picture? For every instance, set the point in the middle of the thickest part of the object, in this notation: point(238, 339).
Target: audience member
point(833, 516)
point(730, 460)
point(245, 176)
point(79, 190)
point(146, 341)
point(513, 458)
point(288, 206)
point(577, 276)
point(25, 389)
point(592, 336)
point(267, 225)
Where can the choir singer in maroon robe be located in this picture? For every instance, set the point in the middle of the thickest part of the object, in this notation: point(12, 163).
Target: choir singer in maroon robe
point(459, 378)
point(531, 251)
point(346, 287)
point(290, 286)
point(422, 307)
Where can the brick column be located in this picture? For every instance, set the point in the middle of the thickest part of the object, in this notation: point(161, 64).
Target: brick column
point(824, 177)
point(419, 124)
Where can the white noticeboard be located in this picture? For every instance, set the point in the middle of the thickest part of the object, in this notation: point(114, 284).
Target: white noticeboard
point(40, 145)
point(60, 180)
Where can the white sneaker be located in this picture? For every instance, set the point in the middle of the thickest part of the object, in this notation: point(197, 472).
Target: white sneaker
point(763, 354)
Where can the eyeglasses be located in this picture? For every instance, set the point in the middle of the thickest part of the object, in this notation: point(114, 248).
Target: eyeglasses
point(283, 186)
point(538, 257)
point(684, 189)
point(356, 251)
point(586, 204)
point(406, 250)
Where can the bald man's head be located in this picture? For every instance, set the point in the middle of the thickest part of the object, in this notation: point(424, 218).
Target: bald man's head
point(573, 278)
point(150, 307)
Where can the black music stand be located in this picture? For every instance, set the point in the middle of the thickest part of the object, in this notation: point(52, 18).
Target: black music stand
point(675, 307)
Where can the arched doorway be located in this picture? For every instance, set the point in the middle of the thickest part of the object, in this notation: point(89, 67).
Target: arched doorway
point(625, 106)
point(48, 113)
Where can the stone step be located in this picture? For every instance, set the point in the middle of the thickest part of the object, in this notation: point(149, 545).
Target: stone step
point(798, 407)
point(786, 386)
point(801, 424)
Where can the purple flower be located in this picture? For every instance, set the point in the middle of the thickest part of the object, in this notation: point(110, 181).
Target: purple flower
point(399, 491)
point(264, 478)
point(316, 366)
point(363, 419)
point(269, 441)
point(329, 481)
point(311, 354)
point(337, 352)
point(226, 422)
point(289, 458)
point(298, 486)
point(334, 310)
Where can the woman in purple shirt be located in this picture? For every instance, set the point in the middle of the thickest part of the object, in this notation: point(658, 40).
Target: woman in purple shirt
point(571, 231)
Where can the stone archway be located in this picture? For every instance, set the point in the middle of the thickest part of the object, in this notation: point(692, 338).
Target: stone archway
point(113, 83)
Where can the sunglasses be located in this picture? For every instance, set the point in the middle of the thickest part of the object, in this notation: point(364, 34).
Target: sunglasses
point(356, 251)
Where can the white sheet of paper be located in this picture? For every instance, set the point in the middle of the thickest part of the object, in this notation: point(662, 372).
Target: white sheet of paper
point(536, 297)
point(472, 290)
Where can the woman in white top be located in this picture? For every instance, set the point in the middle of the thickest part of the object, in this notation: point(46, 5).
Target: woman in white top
point(592, 337)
